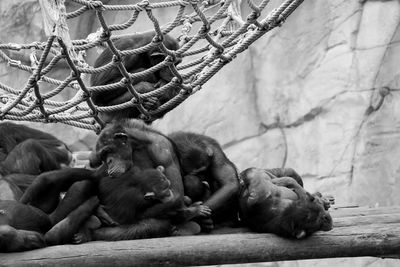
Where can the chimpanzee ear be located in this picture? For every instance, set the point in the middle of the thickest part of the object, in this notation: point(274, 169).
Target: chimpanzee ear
point(300, 234)
point(149, 195)
point(209, 151)
point(207, 185)
point(161, 169)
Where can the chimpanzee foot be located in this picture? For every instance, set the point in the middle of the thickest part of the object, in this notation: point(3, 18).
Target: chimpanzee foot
point(206, 224)
point(82, 236)
point(12, 240)
point(151, 103)
point(85, 233)
point(327, 200)
point(188, 228)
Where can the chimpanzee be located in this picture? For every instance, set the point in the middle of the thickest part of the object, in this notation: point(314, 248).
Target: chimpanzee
point(30, 151)
point(134, 63)
point(196, 188)
point(147, 149)
point(24, 227)
point(280, 205)
point(150, 197)
point(203, 157)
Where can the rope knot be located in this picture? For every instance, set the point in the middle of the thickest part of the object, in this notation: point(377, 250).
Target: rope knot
point(116, 59)
point(176, 80)
point(105, 35)
point(183, 2)
point(205, 29)
point(254, 16)
point(157, 39)
point(142, 6)
point(126, 80)
point(98, 5)
point(225, 59)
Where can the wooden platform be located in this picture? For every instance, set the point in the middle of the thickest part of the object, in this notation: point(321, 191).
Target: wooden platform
point(357, 232)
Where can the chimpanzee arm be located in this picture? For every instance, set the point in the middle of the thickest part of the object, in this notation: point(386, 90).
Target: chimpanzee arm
point(226, 176)
point(147, 228)
point(160, 210)
point(162, 153)
point(45, 190)
point(286, 172)
point(292, 184)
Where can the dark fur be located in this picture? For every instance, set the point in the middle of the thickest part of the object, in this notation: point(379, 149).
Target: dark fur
point(29, 151)
point(280, 205)
point(46, 220)
point(133, 63)
point(203, 157)
point(142, 148)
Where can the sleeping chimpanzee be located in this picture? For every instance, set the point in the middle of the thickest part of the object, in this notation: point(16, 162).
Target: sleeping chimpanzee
point(147, 149)
point(47, 222)
point(30, 151)
point(280, 205)
point(136, 197)
point(134, 63)
point(202, 160)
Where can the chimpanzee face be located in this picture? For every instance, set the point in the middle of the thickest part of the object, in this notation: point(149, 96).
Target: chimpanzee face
point(115, 151)
point(307, 218)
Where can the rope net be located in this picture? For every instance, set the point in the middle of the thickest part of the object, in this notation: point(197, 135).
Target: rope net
point(213, 20)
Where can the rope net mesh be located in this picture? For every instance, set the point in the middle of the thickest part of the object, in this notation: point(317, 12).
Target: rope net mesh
point(209, 20)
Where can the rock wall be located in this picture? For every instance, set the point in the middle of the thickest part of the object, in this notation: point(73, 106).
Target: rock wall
point(320, 94)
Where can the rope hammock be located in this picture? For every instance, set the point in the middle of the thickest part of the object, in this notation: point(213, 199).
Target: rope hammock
point(214, 19)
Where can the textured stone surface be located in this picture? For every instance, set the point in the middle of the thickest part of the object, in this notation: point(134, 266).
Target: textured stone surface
point(307, 95)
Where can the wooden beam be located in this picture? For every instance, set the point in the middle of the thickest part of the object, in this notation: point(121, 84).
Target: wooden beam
point(377, 234)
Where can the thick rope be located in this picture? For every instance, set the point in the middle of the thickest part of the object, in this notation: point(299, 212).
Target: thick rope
point(200, 63)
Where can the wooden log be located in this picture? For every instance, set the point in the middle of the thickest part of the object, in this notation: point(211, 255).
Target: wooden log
point(363, 211)
point(365, 235)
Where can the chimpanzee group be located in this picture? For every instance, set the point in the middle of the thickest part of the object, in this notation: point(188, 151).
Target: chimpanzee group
point(141, 183)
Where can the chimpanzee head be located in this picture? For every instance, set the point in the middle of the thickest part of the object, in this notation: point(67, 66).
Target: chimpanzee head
point(114, 150)
point(196, 160)
point(304, 217)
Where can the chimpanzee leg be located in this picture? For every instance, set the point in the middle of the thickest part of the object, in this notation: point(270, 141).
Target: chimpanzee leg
point(13, 240)
point(44, 193)
point(286, 172)
point(30, 157)
point(147, 228)
point(64, 231)
point(77, 194)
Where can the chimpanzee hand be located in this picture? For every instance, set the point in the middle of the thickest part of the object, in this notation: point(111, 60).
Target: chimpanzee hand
point(151, 103)
point(201, 210)
point(104, 218)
